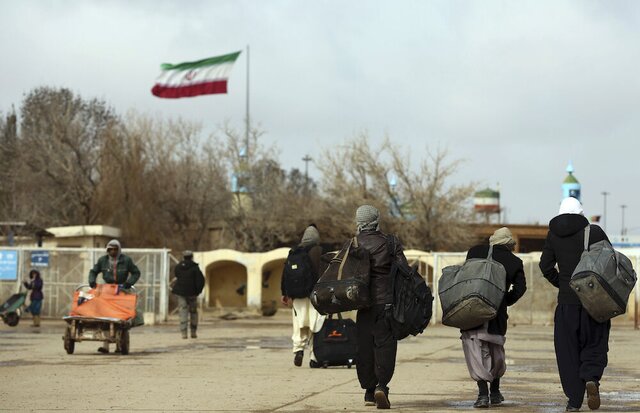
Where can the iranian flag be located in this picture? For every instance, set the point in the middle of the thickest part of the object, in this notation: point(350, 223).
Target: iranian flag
point(204, 77)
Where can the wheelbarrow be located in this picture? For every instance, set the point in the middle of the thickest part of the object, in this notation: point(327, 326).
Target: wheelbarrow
point(96, 327)
point(11, 310)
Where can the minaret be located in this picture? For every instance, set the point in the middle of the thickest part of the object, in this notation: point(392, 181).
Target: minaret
point(571, 186)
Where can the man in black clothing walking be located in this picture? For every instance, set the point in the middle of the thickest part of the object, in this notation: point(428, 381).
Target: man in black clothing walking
point(484, 345)
point(376, 345)
point(188, 285)
point(581, 343)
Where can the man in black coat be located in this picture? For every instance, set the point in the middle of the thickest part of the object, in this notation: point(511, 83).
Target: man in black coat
point(189, 283)
point(376, 345)
point(581, 343)
point(484, 346)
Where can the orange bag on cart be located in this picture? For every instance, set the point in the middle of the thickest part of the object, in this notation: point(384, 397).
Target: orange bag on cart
point(104, 301)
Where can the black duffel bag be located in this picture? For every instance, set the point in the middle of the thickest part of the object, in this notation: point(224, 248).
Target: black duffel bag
point(344, 286)
point(412, 298)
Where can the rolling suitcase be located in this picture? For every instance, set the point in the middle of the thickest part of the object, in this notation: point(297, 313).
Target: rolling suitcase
point(336, 342)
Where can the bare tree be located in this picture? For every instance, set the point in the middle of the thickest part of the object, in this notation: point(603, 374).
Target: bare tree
point(270, 206)
point(59, 142)
point(9, 166)
point(421, 205)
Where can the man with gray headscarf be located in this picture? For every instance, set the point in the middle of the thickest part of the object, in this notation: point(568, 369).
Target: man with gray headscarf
point(376, 345)
point(303, 263)
point(483, 346)
point(581, 343)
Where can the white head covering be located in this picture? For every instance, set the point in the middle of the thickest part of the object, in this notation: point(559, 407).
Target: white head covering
point(571, 205)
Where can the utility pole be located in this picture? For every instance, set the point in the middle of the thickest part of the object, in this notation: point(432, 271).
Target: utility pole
point(622, 231)
point(604, 212)
point(306, 160)
point(248, 125)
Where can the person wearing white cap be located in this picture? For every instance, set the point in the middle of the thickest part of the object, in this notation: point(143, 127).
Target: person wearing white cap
point(483, 346)
point(581, 343)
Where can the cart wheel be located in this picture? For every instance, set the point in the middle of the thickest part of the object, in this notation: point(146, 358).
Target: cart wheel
point(124, 342)
point(69, 344)
point(12, 319)
point(325, 364)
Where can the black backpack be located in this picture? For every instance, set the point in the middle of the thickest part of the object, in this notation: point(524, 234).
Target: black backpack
point(412, 298)
point(298, 275)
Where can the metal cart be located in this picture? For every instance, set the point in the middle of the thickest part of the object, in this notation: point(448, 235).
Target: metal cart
point(113, 330)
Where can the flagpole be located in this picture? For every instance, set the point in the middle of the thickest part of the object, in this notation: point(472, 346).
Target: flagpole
point(246, 147)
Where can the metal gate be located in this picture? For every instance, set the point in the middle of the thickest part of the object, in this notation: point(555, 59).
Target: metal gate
point(68, 267)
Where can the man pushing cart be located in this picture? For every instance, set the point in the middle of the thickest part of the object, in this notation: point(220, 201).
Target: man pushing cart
point(106, 312)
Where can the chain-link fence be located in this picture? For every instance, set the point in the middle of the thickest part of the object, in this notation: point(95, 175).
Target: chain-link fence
point(66, 268)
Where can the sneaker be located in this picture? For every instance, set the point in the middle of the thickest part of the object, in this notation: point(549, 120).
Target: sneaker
point(496, 398)
point(193, 334)
point(184, 335)
point(482, 402)
point(314, 364)
point(369, 399)
point(297, 359)
point(381, 396)
point(593, 395)
point(570, 408)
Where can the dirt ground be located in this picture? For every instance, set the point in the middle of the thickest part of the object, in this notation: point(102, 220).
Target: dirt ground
point(246, 366)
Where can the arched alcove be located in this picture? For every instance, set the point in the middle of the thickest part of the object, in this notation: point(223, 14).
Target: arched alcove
point(227, 284)
point(271, 279)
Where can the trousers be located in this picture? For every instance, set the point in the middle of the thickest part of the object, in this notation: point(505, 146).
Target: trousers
point(376, 347)
point(484, 354)
point(581, 345)
point(188, 308)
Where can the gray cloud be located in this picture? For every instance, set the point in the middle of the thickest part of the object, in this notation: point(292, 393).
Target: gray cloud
point(517, 89)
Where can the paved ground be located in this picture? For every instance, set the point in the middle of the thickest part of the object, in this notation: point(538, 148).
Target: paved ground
point(246, 366)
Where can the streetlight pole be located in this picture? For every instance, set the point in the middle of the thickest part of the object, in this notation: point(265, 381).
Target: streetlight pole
point(306, 160)
point(622, 231)
point(604, 213)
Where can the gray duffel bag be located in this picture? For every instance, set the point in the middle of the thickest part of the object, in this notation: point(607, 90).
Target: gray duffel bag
point(471, 294)
point(603, 279)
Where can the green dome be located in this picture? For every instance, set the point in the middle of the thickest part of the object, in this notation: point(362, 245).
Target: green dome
point(487, 193)
point(570, 179)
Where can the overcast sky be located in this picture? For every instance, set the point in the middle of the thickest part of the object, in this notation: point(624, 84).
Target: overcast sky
point(516, 89)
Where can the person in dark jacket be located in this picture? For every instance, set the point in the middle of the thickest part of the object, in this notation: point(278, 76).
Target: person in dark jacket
point(116, 268)
point(484, 346)
point(305, 318)
point(376, 345)
point(189, 283)
point(581, 343)
point(35, 284)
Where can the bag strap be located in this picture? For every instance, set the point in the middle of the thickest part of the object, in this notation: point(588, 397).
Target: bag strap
point(587, 231)
point(344, 257)
point(490, 254)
